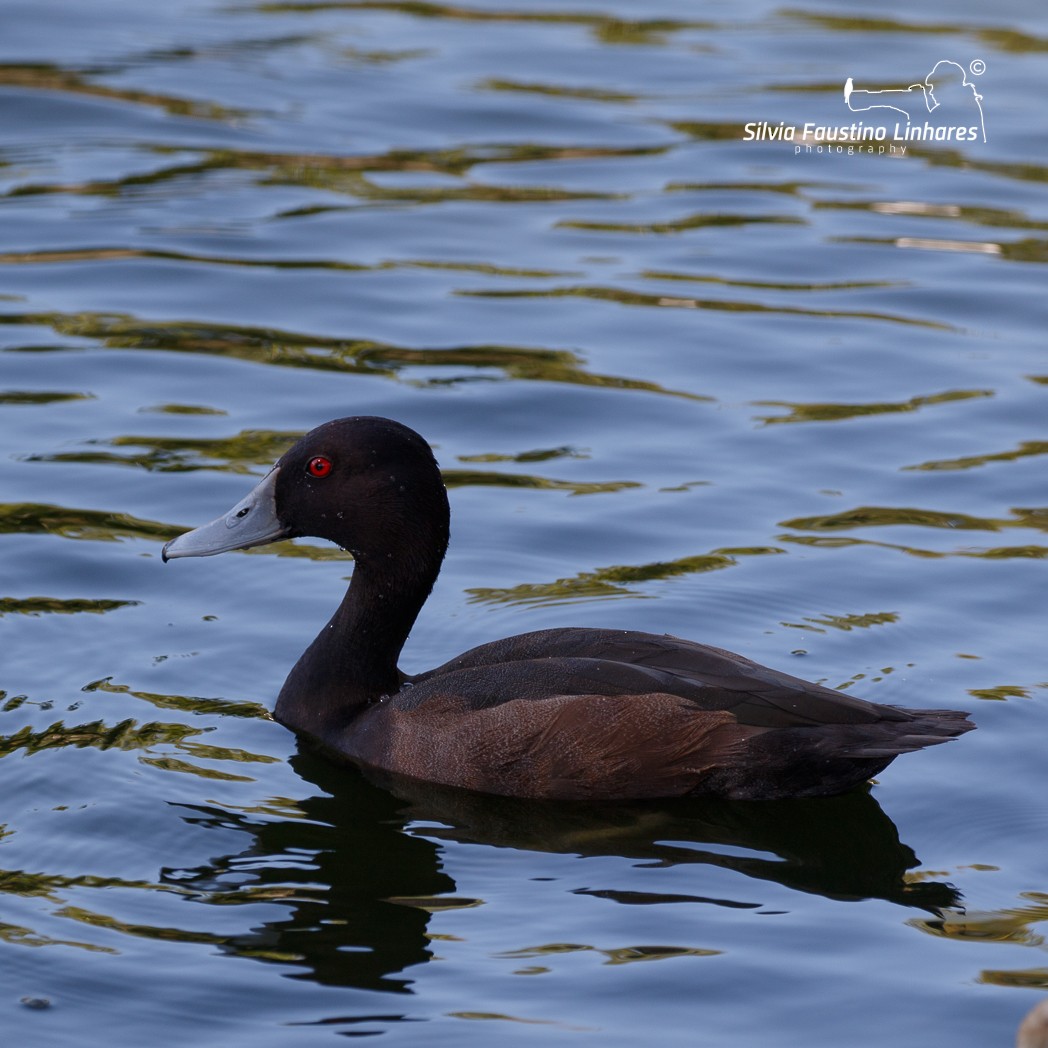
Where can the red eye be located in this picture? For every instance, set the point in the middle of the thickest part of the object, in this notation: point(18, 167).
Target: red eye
point(319, 466)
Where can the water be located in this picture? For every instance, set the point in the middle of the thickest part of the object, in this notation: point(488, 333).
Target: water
point(787, 402)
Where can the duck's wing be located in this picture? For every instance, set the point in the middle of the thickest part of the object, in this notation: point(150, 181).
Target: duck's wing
point(578, 746)
point(504, 730)
point(626, 661)
point(603, 714)
point(589, 728)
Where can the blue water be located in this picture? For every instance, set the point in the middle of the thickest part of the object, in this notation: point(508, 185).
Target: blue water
point(784, 401)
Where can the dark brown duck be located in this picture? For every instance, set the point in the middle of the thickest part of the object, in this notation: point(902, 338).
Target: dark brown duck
point(561, 713)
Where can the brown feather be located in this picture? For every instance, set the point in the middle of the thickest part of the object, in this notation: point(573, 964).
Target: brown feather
point(582, 747)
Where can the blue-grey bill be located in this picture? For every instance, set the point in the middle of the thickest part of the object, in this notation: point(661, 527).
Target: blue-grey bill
point(253, 521)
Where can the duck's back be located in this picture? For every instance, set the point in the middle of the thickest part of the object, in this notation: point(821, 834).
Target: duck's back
point(712, 678)
point(599, 714)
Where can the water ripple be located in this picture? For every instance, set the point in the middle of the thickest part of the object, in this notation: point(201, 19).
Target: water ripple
point(360, 356)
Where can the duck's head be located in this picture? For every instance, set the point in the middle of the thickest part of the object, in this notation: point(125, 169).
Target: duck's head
point(369, 484)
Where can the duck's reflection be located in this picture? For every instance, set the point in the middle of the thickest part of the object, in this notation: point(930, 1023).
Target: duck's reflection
point(356, 885)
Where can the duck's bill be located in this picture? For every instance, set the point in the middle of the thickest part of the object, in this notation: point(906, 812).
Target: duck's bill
point(251, 522)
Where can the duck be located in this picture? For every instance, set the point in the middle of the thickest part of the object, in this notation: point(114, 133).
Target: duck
point(572, 713)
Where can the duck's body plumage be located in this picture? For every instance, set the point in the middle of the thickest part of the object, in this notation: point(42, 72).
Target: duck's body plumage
point(597, 714)
point(562, 713)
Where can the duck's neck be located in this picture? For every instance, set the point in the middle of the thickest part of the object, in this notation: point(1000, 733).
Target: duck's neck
point(353, 661)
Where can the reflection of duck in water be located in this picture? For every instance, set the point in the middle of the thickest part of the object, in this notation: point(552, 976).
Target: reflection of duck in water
point(327, 876)
point(587, 714)
point(342, 888)
point(841, 847)
point(943, 95)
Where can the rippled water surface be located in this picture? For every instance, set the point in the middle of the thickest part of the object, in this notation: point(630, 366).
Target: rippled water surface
point(787, 400)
